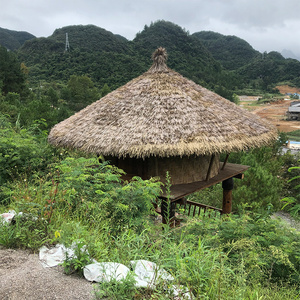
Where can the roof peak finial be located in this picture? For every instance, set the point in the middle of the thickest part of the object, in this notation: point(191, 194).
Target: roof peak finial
point(159, 58)
point(160, 55)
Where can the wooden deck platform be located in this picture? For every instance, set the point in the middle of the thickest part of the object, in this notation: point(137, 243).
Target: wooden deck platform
point(179, 191)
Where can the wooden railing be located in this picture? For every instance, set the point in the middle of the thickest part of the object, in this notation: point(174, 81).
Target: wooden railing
point(190, 208)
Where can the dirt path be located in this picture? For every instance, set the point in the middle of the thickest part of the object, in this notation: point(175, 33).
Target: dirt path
point(22, 277)
point(274, 112)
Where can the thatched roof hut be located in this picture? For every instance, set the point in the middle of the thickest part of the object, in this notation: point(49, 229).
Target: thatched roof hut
point(161, 114)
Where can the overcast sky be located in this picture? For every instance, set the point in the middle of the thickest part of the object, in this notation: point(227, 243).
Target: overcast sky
point(268, 25)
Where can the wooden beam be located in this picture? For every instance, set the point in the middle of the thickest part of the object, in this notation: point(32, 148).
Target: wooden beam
point(210, 166)
point(239, 176)
point(225, 161)
point(227, 202)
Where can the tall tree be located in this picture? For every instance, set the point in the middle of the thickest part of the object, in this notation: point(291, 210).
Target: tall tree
point(12, 79)
point(82, 92)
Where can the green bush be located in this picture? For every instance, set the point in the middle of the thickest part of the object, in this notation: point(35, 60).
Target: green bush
point(267, 249)
point(95, 191)
point(76, 263)
point(21, 151)
point(292, 202)
point(86, 189)
point(263, 184)
point(25, 231)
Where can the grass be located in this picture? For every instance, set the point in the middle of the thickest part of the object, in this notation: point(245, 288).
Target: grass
point(294, 135)
point(222, 258)
point(245, 256)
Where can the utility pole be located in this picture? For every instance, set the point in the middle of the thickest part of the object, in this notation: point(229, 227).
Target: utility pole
point(67, 48)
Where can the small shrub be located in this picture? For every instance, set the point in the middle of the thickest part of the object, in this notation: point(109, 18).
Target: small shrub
point(23, 152)
point(117, 289)
point(268, 250)
point(293, 203)
point(75, 263)
point(25, 231)
point(95, 191)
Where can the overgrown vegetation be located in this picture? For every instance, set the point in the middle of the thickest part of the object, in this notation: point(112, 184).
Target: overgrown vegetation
point(67, 198)
point(292, 202)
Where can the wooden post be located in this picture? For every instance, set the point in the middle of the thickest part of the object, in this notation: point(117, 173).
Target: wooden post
point(227, 186)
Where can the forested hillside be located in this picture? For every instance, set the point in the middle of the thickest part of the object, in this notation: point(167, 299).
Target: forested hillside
point(186, 54)
point(111, 59)
point(12, 39)
point(260, 71)
point(222, 63)
point(94, 52)
point(231, 51)
point(268, 68)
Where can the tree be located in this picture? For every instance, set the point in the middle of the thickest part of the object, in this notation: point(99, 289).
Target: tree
point(11, 77)
point(82, 92)
point(105, 90)
point(52, 96)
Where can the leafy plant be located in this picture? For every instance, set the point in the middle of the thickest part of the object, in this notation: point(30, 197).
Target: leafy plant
point(21, 151)
point(267, 249)
point(78, 260)
point(293, 202)
point(25, 231)
point(95, 191)
point(114, 289)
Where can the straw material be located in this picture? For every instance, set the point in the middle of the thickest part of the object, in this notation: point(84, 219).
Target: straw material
point(161, 113)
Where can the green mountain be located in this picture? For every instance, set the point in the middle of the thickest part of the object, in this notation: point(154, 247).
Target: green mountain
point(13, 40)
point(90, 38)
point(186, 54)
point(231, 51)
point(221, 63)
point(112, 59)
point(254, 69)
point(93, 51)
point(270, 68)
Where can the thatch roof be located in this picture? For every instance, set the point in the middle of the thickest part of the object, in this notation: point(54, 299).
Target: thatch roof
point(161, 113)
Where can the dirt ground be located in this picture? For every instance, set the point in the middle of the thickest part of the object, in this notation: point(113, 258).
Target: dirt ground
point(275, 113)
point(284, 89)
point(22, 277)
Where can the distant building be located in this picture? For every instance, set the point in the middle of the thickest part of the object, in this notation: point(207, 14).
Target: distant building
point(293, 112)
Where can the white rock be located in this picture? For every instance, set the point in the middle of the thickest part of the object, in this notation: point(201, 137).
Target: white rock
point(54, 256)
point(148, 273)
point(105, 271)
point(7, 217)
